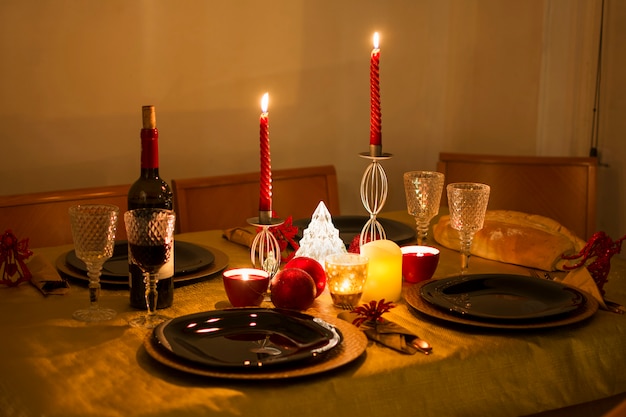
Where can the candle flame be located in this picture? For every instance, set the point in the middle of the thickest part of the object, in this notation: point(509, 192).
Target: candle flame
point(376, 40)
point(264, 102)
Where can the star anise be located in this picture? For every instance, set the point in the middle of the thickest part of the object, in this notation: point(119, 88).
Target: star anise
point(371, 312)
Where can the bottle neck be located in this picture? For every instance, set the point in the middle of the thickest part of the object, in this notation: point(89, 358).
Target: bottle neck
point(150, 152)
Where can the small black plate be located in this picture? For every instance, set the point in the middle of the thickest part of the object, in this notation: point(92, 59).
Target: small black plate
point(502, 297)
point(351, 226)
point(247, 338)
point(188, 258)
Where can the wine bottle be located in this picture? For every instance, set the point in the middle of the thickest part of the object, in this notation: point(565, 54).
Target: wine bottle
point(150, 191)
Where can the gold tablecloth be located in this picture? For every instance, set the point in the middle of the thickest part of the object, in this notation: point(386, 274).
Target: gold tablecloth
point(52, 365)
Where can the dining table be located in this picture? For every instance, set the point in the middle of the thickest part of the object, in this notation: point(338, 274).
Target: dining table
point(52, 365)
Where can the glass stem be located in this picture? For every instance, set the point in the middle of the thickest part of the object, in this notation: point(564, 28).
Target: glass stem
point(93, 272)
point(150, 282)
point(422, 231)
point(466, 244)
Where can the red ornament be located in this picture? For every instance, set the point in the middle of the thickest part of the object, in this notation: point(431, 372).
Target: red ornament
point(13, 253)
point(602, 248)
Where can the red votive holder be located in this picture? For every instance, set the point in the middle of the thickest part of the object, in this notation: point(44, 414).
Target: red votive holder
point(246, 287)
point(419, 262)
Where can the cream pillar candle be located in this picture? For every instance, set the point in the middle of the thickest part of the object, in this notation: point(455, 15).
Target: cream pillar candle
point(384, 277)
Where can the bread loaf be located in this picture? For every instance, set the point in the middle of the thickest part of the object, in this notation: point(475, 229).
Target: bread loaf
point(517, 238)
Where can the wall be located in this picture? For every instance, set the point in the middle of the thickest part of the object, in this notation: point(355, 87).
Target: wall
point(485, 76)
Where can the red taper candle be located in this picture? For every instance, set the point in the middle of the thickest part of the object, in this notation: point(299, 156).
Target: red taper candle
point(265, 200)
point(375, 117)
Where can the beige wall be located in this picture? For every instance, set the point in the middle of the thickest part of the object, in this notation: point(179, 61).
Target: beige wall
point(489, 76)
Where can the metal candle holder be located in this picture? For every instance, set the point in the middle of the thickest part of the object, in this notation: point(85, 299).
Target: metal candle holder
point(374, 189)
point(265, 252)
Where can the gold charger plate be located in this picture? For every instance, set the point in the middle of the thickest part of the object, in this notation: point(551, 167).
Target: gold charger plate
point(219, 264)
point(414, 299)
point(353, 345)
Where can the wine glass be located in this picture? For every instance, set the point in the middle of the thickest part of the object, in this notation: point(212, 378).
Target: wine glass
point(150, 233)
point(93, 231)
point(468, 203)
point(423, 195)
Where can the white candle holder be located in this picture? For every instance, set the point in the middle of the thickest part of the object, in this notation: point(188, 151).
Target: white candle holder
point(265, 252)
point(374, 187)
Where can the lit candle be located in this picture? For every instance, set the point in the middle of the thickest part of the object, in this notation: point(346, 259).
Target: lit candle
point(384, 278)
point(265, 200)
point(375, 117)
point(419, 262)
point(245, 286)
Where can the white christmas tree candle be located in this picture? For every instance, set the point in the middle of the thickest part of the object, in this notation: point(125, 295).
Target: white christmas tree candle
point(384, 277)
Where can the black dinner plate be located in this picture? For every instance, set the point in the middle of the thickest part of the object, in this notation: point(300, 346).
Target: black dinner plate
point(247, 338)
point(351, 226)
point(502, 297)
point(188, 258)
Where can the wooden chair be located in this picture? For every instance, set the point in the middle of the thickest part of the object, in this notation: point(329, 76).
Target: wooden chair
point(227, 201)
point(562, 188)
point(43, 217)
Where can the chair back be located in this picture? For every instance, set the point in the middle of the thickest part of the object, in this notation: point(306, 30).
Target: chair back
point(43, 217)
point(222, 202)
point(562, 188)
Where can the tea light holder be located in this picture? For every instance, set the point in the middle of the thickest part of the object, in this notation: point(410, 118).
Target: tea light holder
point(419, 262)
point(374, 188)
point(346, 275)
point(265, 251)
point(246, 287)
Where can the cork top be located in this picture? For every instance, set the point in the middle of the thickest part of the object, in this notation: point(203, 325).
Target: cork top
point(149, 117)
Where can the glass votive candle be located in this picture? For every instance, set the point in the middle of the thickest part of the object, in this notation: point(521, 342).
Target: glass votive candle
point(419, 262)
point(346, 274)
point(245, 287)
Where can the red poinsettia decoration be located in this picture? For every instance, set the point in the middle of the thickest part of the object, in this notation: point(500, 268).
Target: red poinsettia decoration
point(371, 312)
point(13, 253)
point(602, 248)
point(285, 236)
point(355, 245)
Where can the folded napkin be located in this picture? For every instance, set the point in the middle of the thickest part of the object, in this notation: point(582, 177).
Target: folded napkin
point(241, 235)
point(582, 279)
point(386, 333)
point(46, 278)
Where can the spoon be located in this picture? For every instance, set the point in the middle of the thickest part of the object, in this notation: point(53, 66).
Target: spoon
point(421, 345)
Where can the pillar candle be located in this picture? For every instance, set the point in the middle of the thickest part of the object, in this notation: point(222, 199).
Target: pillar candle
point(384, 278)
point(265, 200)
point(375, 117)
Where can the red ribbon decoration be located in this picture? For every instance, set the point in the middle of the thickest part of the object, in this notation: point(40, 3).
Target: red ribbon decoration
point(602, 247)
point(13, 253)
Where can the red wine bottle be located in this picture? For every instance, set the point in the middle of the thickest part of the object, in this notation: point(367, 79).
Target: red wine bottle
point(150, 191)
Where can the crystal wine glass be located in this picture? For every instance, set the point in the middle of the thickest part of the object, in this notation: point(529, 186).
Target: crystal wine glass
point(150, 233)
point(93, 231)
point(423, 195)
point(468, 203)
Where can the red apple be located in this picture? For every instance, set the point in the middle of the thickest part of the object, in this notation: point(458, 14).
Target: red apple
point(292, 288)
point(314, 268)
